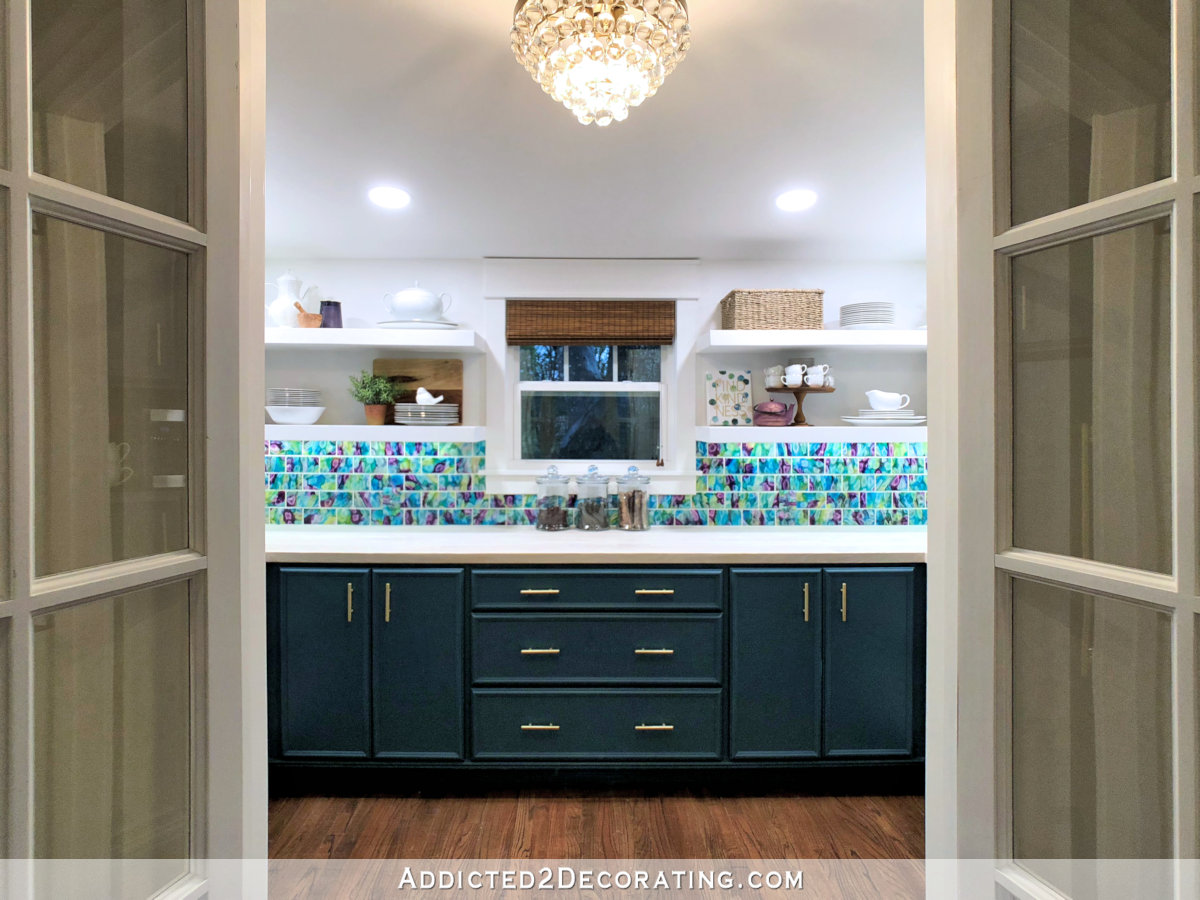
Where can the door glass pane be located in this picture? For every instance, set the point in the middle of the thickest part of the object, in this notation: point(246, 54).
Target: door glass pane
point(110, 94)
point(5, 725)
point(1091, 100)
point(111, 397)
point(5, 396)
point(601, 425)
point(1092, 398)
point(1091, 718)
point(112, 735)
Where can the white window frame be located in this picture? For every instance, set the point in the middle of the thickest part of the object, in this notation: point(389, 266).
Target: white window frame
point(508, 473)
point(580, 466)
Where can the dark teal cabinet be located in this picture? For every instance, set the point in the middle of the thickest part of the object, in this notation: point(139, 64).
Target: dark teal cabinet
point(417, 673)
point(324, 656)
point(775, 663)
point(748, 667)
point(869, 661)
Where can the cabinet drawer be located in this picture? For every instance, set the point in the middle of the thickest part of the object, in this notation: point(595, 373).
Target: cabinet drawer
point(593, 649)
point(612, 725)
point(597, 589)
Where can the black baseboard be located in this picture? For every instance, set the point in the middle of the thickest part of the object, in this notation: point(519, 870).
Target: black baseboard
point(308, 779)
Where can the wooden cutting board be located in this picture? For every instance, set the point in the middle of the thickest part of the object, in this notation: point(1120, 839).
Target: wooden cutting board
point(438, 376)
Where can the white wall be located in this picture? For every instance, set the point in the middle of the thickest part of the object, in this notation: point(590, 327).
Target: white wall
point(361, 284)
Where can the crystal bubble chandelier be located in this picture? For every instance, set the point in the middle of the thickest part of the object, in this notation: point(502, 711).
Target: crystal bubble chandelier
point(600, 57)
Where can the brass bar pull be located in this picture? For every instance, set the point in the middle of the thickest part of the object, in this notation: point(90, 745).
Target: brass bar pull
point(843, 601)
point(806, 601)
point(532, 727)
point(539, 592)
point(644, 651)
point(536, 651)
point(350, 602)
point(663, 727)
point(654, 592)
point(387, 602)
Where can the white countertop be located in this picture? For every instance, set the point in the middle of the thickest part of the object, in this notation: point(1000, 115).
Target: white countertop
point(483, 544)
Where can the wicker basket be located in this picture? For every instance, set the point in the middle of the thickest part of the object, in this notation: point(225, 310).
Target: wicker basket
point(744, 310)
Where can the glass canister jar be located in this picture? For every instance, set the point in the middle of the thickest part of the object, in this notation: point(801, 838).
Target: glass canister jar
point(633, 500)
point(552, 500)
point(591, 501)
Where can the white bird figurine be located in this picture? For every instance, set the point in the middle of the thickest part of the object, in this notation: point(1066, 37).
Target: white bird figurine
point(427, 399)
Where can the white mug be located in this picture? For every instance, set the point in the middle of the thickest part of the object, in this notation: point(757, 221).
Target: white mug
point(814, 378)
point(118, 473)
point(793, 375)
point(887, 400)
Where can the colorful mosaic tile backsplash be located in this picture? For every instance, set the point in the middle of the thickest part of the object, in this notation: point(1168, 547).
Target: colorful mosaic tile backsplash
point(406, 484)
point(428, 483)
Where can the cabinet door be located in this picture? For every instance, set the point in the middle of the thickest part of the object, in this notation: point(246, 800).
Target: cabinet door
point(869, 676)
point(418, 662)
point(775, 663)
point(324, 662)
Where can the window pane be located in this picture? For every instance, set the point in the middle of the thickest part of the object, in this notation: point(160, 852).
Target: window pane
point(542, 363)
point(110, 98)
point(590, 364)
point(561, 425)
point(111, 397)
point(1091, 92)
point(1091, 732)
point(112, 733)
point(1092, 399)
point(639, 363)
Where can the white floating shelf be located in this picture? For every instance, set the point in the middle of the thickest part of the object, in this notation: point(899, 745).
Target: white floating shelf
point(810, 434)
point(456, 340)
point(448, 433)
point(719, 341)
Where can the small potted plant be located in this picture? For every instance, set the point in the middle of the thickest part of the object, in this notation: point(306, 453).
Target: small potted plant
point(375, 393)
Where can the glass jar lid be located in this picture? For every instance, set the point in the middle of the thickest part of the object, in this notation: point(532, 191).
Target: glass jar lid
point(553, 476)
point(593, 477)
point(633, 478)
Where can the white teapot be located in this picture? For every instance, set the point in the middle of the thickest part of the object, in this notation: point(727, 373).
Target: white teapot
point(282, 310)
point(415, 304)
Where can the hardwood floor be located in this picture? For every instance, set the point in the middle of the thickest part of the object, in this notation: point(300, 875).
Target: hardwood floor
point(598, 824)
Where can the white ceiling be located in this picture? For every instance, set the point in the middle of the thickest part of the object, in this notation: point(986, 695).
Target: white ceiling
point(774, 94)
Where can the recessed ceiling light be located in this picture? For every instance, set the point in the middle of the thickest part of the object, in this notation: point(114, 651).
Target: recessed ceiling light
point(796, 201)
point(389, 197)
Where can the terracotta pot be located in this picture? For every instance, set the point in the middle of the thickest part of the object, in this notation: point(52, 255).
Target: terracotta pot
point(376, 413)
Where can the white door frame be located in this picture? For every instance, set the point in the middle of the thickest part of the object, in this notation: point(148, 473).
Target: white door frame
point(237, 642)
point(960, 801)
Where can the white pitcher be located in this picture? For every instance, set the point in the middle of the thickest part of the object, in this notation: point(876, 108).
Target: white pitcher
point(282, 310)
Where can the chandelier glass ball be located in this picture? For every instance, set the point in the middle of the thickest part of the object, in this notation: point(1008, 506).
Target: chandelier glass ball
point(599, 58)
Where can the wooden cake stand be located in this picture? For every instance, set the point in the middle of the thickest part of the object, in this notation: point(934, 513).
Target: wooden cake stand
point(800, 393)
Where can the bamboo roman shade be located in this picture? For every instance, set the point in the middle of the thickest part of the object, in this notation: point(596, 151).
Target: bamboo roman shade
point(589, 322)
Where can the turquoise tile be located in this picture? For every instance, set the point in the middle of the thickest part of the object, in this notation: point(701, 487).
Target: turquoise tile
point(319, 516)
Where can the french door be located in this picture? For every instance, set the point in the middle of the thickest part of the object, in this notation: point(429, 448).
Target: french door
point(1064, 547)
point(130, 542)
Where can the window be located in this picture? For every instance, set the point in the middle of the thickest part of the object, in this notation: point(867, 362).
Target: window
point(600, 402)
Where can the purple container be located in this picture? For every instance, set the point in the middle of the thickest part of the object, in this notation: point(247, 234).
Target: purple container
point(331, 314)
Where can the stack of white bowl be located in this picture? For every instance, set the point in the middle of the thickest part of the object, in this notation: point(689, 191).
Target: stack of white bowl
point(294, 406)
point(875, 315)
point(426, 413)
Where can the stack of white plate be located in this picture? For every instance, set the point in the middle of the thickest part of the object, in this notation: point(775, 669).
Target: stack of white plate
point(885, 417)
point(294, 406)
point(426, 414)
point(874, 315)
